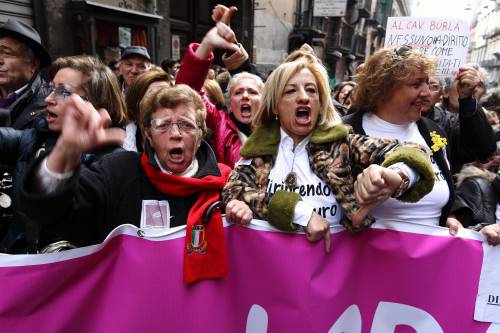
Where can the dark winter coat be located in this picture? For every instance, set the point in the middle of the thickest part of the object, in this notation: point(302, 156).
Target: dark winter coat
point(106, 194)
point(478, 193)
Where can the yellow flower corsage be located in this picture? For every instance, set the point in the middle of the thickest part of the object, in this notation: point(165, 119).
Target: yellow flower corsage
point(438, 142)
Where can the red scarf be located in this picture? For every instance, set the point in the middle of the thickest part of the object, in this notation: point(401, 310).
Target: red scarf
point(205, 254)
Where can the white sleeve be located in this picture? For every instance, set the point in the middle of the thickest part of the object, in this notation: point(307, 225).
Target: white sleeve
point(48, 181)
point(412, 175)
point(302, 213)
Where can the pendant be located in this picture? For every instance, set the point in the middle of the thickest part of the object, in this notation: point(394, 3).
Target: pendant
point(5, 200)
point(291, 180)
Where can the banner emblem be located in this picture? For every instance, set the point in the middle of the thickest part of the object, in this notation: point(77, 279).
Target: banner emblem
point(198, 242)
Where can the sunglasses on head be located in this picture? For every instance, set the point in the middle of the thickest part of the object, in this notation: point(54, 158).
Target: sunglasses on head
point(400, 51)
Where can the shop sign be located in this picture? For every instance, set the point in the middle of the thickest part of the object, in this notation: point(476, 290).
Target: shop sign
point(138, 5)
point(176, 47)
point(330, 8)
point(125, 36)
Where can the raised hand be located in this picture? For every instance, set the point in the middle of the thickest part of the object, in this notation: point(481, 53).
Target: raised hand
point(219, 37)
point(468, 78)
point(223, 14)
point(84, 129)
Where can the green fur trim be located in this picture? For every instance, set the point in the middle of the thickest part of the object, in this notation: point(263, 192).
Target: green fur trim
point(332, 134)
point(419, 161)
point(281, 210)
point(265, 140)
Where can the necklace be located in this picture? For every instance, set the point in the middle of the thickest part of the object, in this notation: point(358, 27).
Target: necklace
point(291, 178)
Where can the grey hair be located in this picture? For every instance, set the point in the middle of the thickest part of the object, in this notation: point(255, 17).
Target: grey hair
point(242, 76)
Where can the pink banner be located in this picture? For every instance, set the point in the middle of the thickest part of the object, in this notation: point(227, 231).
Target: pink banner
point(376, 281)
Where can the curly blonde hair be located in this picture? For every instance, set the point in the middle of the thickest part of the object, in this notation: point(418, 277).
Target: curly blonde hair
point(383, 71)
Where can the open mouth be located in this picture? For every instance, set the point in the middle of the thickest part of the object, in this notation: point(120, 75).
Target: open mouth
point(51, 115)
point(303, 115)
point(246, 110)
point(419, 104)
point(176, 154)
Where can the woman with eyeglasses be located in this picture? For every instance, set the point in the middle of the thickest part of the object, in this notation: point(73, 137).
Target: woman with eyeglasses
point(391, 93)
point(84, 76)
point(175, 182)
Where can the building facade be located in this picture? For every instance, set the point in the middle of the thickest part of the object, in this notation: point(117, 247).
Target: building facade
point(485, 40)
point(104, 27)
point(344, 42)
point(274, 22)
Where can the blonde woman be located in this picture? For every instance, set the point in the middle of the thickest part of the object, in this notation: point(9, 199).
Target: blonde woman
point(299, 163)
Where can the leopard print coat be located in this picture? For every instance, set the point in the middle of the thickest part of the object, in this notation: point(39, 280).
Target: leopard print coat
point(336, 156)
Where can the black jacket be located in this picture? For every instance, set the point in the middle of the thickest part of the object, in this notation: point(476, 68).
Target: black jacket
point(104, 195)
point(469, 133)
point(477, 199)
point(18, 150)
point(32, 99)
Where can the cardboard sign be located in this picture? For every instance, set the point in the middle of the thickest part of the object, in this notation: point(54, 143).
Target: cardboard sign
point(447, 39)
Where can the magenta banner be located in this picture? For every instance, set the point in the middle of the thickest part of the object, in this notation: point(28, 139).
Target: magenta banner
point(378, 281)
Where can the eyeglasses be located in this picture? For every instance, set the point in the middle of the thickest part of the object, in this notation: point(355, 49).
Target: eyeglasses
point(434, 87)
point(400, 51)
point(60, 92)
point(162, 125)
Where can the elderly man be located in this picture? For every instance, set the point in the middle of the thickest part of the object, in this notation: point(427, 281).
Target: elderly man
point(21, 57)
point(135, 61)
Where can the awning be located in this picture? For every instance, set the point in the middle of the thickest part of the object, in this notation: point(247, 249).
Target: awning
point(123, 10)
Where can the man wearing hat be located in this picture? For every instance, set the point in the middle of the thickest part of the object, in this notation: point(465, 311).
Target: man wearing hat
point(21, 57)
point(135, 61)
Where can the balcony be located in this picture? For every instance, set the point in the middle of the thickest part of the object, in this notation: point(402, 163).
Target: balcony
point(340, 40)
point(346, 37)
point(382, 11)
point(364, 8)
point(492, 32)
point(490, 63)
point(332, 44)
point(360, 46)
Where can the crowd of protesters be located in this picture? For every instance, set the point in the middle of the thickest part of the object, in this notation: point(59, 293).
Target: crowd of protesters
point(97, 146)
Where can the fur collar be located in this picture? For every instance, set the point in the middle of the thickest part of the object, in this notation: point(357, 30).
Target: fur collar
point(469, 171)
point(265, 140)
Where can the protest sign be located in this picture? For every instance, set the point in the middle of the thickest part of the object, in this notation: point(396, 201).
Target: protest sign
point(447, 39)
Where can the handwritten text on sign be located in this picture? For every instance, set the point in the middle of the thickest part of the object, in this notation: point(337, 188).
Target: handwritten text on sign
point(446, 39)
